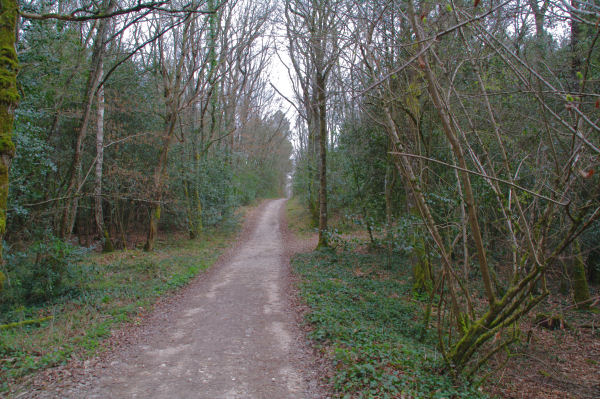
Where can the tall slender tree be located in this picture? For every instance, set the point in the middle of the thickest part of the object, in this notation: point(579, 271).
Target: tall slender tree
point(313, 29)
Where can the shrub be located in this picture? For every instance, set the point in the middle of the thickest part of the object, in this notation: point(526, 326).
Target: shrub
point(39, 273)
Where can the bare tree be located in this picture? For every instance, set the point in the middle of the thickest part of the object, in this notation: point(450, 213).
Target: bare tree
point(313, 29)
point(536, 226)
point(171, 53)
point(75, 179)
point(9, 96)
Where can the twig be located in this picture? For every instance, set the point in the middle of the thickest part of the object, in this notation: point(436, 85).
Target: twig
point(482, 175)
point(431, 41)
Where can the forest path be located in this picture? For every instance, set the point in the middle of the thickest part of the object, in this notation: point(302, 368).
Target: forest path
point(232, 334)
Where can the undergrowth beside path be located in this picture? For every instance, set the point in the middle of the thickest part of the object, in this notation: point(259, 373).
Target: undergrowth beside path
point(104, 291)
point(366, 319)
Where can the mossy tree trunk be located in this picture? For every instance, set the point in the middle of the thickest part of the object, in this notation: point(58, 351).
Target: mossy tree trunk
point(458, 151)
point(581, 291)
point(389, 181)
point(422, 277)
point(172, 76)
point(178, 77)
point(191, 191)
point(312, 29)
point(2, 278)
point(321, 88)
point(539, 15)
point(153, 226)
point(9, 97)
point(196, 205)
point(159, 171)
point(192, 185)
point(313, 151)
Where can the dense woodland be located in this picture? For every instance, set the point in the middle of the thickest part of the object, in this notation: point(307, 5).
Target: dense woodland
point(151, 120)
point(461, 136)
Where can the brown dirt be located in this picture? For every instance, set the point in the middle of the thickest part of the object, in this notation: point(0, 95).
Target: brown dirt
point(555, 364)
point(232, 333)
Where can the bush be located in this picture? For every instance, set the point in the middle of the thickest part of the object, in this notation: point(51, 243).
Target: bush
point(39, 273)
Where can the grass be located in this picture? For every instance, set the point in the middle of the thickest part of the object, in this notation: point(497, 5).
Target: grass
point(105, 290)
point(299, 218)
point(366, 319)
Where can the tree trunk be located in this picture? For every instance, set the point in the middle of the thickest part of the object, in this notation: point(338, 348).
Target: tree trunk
point(448, 129)
point(9, 97)
point(390, 179)
point(581, 291)
point(99, 217)
point(196, 203)
point(159, 171)
point(593, 264)
point(191, 190)
point(539, 16)
point(575, 60)
point(98, 212)
point(172, 94)
point(153, 226)
point(313, 150)
point(72, 200)
point(323, 241)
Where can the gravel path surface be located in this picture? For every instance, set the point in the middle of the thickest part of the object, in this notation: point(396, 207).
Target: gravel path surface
point(233, 333)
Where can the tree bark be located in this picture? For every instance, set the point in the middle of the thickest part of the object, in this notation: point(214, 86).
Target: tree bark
point(9, 98)
point(539, 16)
point(98, 215)
point(72, 193)
point(323, 241)
point(98, 212)
point(457, 149)
point(581, 290)
point(575, 59)
point(155, 209)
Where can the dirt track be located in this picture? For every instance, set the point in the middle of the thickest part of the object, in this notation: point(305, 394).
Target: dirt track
point(231, 334)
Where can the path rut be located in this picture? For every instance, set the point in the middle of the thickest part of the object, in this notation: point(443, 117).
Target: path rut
point(231, 336)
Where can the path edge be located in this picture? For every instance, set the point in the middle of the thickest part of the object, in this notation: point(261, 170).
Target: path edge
point(293, 245)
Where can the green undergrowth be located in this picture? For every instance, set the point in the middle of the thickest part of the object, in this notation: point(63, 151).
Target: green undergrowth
point(102, 292)
point(298, 218)
point(365, 317)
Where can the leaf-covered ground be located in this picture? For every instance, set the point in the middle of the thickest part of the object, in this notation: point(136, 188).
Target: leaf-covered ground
point(365, 317)
point(347, 293)
point(558, 363)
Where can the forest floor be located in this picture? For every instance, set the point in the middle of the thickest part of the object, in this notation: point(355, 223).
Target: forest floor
point(238, 331)
point(231, 333)
point(561, 362)
point(354, 295)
